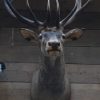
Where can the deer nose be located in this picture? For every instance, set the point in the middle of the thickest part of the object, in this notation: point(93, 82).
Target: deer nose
point(54, 44)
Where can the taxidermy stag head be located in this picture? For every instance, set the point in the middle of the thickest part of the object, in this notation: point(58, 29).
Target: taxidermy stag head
point(51, 81)
point(53, 37)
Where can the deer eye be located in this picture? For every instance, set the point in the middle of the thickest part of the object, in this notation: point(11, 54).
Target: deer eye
point(45, 35)
point(40, 36)
point(63, 36)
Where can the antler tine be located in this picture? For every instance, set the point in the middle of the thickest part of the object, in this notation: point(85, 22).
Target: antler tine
point(16, 14)
point(79, 7)
point(48, 13)
point(48, 6)
point(62, 22)
point(58, 7)
point(86, 3)
point(32, 13)
point(58, 13)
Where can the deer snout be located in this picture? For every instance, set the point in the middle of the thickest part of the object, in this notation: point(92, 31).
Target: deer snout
point(54, 45)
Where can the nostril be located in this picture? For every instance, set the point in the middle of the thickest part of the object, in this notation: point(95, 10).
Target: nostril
point(58, 44)
point(50, 43)
point(54, 44)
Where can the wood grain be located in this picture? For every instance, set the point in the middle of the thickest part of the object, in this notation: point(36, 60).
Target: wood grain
point(90, 38)
point(14, 91)
point(29, 54)
point(23, 72)
point(21, 91)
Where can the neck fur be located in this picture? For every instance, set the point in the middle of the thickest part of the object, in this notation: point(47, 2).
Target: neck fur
point(52, 74)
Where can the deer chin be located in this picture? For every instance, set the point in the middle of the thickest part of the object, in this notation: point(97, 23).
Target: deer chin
point(54, 52)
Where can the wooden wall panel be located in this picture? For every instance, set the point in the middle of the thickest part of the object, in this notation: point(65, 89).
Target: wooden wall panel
point(21, 91)
point(5, 36)
point(85, 92)
point(19, 54)
point(80, 55)
point(23, 72)
point(18, 72)
point(14, 91)
point(90, 38)
point(86, 50)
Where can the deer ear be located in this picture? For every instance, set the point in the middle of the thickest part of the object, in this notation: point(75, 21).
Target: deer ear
point(73, 34)
point(28, 34)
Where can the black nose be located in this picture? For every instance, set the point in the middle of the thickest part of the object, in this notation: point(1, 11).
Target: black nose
point(54, 44)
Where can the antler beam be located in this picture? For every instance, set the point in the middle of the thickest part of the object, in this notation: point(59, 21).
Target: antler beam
point(32, 13)
point(67, 20)
point(77, 8)
point(49, 12)
point(16, 14)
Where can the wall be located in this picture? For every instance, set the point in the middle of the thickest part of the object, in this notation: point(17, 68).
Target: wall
point(22, 58)
point(82, 57)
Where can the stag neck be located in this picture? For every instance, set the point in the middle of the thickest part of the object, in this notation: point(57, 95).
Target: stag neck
point(52, 74)
point(53, 61)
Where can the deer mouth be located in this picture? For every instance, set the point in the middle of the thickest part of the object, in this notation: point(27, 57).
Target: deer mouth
point(54, 52)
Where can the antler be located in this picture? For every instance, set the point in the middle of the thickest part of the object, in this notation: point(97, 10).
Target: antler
point(67, 20)
point(77, 8)
point(16, 14)
point(32, 13)
point(58, 14)
point(49, 13)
